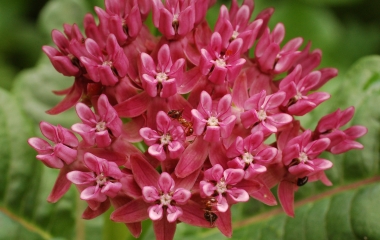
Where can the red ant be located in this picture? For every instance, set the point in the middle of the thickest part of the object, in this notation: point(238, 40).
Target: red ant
point(209, 215)
point(177, 114)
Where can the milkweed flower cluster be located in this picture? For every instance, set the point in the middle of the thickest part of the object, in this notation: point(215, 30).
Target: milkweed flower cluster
point(216, 111)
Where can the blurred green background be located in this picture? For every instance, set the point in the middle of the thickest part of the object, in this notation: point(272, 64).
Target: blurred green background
point(345, 31)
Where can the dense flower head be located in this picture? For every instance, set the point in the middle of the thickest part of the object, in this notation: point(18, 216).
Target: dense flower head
point(214, 113)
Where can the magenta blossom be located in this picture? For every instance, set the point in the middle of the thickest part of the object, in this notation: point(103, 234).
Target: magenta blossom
point(166, 195)
point(168, 139)
point(341, 141)
point(250, 154)
point(262, 112)
point(221, 183)
point(298, 102)
point(98, 129)
point(101, 182)
point(161, 79)
point(62, 152)
point(108, 68)
point(221, 64)
point(213, 119)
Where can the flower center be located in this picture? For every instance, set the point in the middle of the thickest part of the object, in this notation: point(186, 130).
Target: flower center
point(101, 126)
point(101, 179)
point(247, 158)
point(107, 63)
point(165, 199)
point(161, 77)
point(221, 186)
point(262, 115)
point(220, 62)
point(212, 121)
point(298, 96)
point(303, 157)
point(234, 35)
point(165, 139)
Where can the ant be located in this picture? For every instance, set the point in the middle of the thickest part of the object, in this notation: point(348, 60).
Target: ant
point(209, 215)
point(177, 114)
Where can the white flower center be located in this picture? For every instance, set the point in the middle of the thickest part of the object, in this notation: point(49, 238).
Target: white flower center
point(107, 63)
point(161, 77)
point(298, 96)
point(165, 199)
point(165, 139)
point(101, 179)
point(220, 62)
point(247, 158)
point(221, 186)
point(303, 157)
point(262, 115)
point(234, 35)
point(101, 126)
point(212, 121)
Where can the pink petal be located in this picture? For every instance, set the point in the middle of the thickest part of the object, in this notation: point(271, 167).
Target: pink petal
point(238, 195)
point(145, 174)
point(157, 151)
point(172, 213)
point(166, 182)
point(181, 195)
point(286, 195)
point(134, 211)
point(233, 176)
point(134, 106)
point(164, 230)
point(192, 158)
point(193, 214)
point(61, 186)
point(301, 170)
point(212, 134)
point(222, 205)
point(155, 212)
point(93, 193)
point(224, 223)
point(71, 98)
point(78, 177)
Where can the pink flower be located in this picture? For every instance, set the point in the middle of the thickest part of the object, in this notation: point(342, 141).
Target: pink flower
point(164, 78)
point(235, 24)
point(175, 18)
point(270, 58)
point(250, 155)
point(221, 64)
point(300, 155)
point(101, 182)
point(124, 19)
point(262, 112)
point(168, 139)
point(162, 195)
point(213, 119)
point(105, 68)
point(297, 101)
point(341, 141)
point(62, 152)
point(98, 129)
point(165, 196)
point(220, 184)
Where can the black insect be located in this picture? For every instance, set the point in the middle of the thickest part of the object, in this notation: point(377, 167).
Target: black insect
point(302, 181)
point(209, 215)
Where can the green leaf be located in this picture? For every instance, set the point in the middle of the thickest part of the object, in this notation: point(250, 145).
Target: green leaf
point(33, 89)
